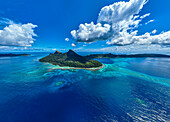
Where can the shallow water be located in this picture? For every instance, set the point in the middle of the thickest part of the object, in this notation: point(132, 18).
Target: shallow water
point(134, 89)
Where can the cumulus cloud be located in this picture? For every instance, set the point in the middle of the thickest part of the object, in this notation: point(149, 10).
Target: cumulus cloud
point(149, 22)
point(54, 49)
point(117, 24)
point(111, 20)
point(147, 38)
point(144, 16)
point(134, 49)
point(73, 45)
point(15, 49)
point(120, 11)
point(91, 32)
point(154, 31)
point(67, 39)
point(29, 49)
point(17, 34)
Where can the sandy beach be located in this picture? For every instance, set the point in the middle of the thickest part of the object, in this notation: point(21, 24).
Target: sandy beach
point(68, 68)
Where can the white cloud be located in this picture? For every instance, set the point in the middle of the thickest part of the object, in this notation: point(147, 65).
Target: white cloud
point(117, 24)
point(149, 22)
point(6, 21)
point(17, 34)
point(111, 20)
point(54, 49)
point(12, 48)
point(120, 11)
point(144, 16)
point(28, 49)
point(91, 32)
point(134, 49)
point(73, 45)
point(67, 39)
point(154, 31)
point(147, 38)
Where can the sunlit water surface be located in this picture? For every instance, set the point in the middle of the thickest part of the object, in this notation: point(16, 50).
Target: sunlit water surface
point(136, 89)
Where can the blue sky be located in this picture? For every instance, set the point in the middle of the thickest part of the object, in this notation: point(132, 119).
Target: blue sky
point(56, 19)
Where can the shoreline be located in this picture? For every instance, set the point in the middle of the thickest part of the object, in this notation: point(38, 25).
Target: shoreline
point(68, 68)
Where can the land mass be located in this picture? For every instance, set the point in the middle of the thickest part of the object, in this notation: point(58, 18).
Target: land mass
point(70, 59)
point(13, 55)
point(93, 56)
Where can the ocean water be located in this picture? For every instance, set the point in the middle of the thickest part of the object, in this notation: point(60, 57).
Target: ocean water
point(136, 89)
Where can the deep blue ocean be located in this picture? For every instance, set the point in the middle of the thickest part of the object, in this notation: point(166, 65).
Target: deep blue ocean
point(126, 89)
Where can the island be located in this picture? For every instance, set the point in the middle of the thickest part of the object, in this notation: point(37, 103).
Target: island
point(74, 61)
point(70, 59)
point(109, 55)
point(13, 55)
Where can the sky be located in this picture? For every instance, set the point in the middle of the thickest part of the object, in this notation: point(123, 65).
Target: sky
point(85, 25)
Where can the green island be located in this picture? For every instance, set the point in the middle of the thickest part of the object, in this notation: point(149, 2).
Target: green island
point(13, 55)
point(109, 55)
point(70, 59)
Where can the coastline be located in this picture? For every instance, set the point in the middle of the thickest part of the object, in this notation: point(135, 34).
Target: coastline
point(74, 68)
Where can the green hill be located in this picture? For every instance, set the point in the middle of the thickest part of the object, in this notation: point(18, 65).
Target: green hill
point(13, 55)
point(70, 59)
point(92, 56)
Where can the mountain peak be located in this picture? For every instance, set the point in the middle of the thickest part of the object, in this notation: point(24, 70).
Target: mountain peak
point(71, 52)
point(57, 52)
